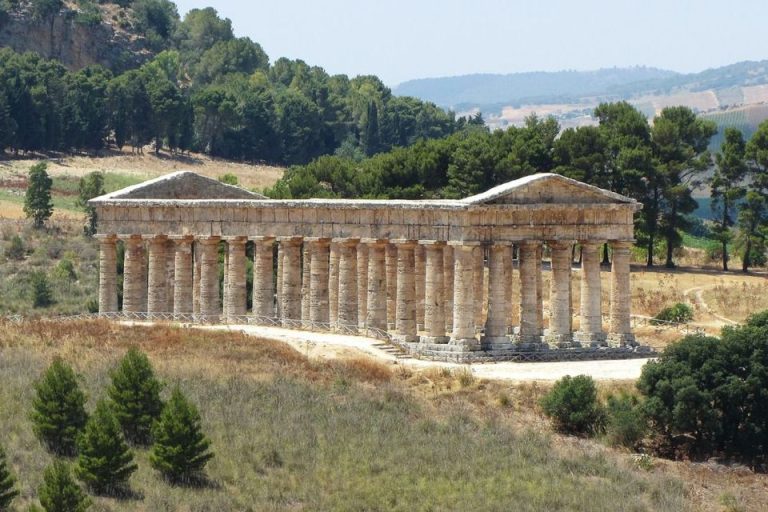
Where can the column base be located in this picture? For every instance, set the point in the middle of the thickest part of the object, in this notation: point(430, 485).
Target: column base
point(561, 340)
point(405, 338)
point(616, 339)
point(529, 342)
point(496, 343)
point(437, 340)
point(467, 344)
point(590, 339)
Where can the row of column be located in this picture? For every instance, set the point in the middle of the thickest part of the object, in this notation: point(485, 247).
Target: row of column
point(408, 287)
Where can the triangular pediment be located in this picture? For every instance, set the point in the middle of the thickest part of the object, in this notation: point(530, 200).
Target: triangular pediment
point(182, 185)
point(547, 188)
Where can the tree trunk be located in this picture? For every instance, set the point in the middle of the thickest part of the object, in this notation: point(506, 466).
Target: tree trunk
point(670, 263)
point(649, 261)
point(725, 256)
point(745, 263)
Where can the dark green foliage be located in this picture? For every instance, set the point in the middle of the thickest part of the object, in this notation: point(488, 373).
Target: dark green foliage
point(16, 249)
point(135, 393)
point(58, 413)
point(45, 8)
point(573, 405)
point(37, 201)
point(42, 296)
point(727, 188)
point(625, 423)
point(229, 179)
point(7, 483)
point(91, 185)
point(679, 313)
point(59, 492)
point(180, 450)
point(104, 462)
point(708, 396)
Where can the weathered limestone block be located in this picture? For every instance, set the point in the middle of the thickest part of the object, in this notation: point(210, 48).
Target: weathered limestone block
point(530, 268)
point(133, 273)
point(170, 264)
point(290, 304)
point(391, 268)
point(512, 297)
point(237, 293)
point(434, 304)
point(419, 277)
point(182, 277)
point(463, 298)
point(561, 319)
point(362, 284)
point(448, 287)
point(348, 285)
point(210, 302)
point(157, 300)
point(144, 279)
point(279, 283)
point(478, 284)
point(377, 286)
point(621, 296)
point(591, 319)
point(197, 257)
point(540, 289)
point(263, 277)
point(496, 326)
point(333, 285)
point(405, 317)
point(306, 272)
point(108, 274)
point(318, 286)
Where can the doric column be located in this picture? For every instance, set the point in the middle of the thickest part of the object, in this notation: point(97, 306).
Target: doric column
point(434, 303)
point(263, 277)
point(182, 277)
point(621, 296)
point(157, 299)
point(561, 318)
point(108, 274)
point(237, 292)
point(362, 284)
point(279, 283)
point(419, 284)
point(448, 287)
point(530, 268)
point(306, 273)
point(540, 288)
point(348, 285)
point(318, 285)
point(463, 297)
point(225, 285)
point(196, 258)
point(376, 317)
point(496, 324)
point(170, 265)
point(143, 267)
point(290, 303)
point(478, 284)
point(333, 285)
point(513, 298)
point(133, 273)
point(405, 315)
point(210, 303)
point(391, 269)
point(591, 318)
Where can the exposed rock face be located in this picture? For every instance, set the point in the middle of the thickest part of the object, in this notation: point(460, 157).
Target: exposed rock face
point(76, 45)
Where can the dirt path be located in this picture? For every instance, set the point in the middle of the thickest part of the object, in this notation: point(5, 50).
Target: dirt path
point(335, 346)
point(698, 300)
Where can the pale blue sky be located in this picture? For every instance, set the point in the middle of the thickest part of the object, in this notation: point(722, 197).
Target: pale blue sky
point(403, 39)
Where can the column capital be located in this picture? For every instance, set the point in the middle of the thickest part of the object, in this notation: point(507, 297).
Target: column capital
point(155, 238)
point(404, 242)
point(621, 244)
point(129, 238)
point(111, 237)
point(208, 240)
point(499, 245)
point(591, 243)
point(346, 241)
point(374, 241)
point(464, 243)
point(433, 243)
point(181, 238)
point(530, 243)
point(559, 244)
point(235, 239)
point(317, 240)
point(262, 238)
point(293, 240)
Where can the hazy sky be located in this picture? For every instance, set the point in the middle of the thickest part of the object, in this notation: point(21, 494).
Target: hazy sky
point(403, 39)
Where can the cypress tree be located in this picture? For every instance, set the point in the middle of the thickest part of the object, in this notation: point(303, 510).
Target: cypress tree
point(37, 201)
point(59, 492)
point(58, 412)
point(104, 463)
point(180, 449)
point(135, 393)
point(7, 483)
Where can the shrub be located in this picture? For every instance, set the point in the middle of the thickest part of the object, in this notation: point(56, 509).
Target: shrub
point(16, 250)
point(41, 290)
point(7, 483)
point(229, 179)
point(105, 463)
point(679, 313)
point(180, 449)
point(65, 271)
point(573, 405)
point(135, 393)
point(37, 202)
point(706, 396)
point(58, 412)
point(625, 424)
point(59, 492)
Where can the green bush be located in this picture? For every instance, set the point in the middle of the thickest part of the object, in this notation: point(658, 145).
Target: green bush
point(105, 463)
point(7, 483)
point(679, 313)
point(573, 406)
point(42, 296)
point(59, 492)
point(625, 423)
point(58, 412)
point(135, 393)
point(228, 178)
point(16, 250)
point(180, 449)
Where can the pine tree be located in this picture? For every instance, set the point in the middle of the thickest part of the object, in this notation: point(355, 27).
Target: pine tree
point(58, 412)
point(7, 483)
point(59, 492)
point(180, 449)
point(135, 392)
point(104, 462)
point(37, 201)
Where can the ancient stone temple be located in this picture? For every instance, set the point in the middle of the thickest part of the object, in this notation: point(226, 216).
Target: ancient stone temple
point(450, 279)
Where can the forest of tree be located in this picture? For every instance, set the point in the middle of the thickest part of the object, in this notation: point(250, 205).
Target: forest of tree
point(208, 91)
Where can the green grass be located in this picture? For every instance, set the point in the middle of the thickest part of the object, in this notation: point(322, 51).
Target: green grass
point(695, 242)
point(333, 442)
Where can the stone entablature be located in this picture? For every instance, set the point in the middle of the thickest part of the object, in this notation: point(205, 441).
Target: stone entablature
point(412, 268)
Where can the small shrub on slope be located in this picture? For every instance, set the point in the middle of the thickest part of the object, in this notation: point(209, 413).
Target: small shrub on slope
point(59, 492)
point(7, 484)
point(573, 405)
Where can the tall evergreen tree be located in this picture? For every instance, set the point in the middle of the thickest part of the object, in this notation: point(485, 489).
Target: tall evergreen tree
point(180, 450)
point(59, 492)
point(104, 463)
point(727, 187)
point(90, 186)
point(7, 483)
point(58, 412)
point(135, 393)
point(37, 201)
